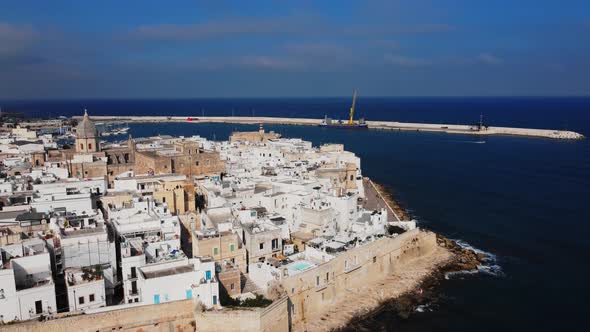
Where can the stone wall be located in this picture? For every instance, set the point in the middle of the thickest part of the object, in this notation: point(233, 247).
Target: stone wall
point(171, 316)
point(309, 294)
point(313, 290)
point(274, 318)
point(252, 136)
point(195, 164)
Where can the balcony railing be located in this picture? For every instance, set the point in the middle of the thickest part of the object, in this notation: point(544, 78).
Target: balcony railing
point(351, 268)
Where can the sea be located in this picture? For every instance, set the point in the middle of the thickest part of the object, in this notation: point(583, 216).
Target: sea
point(524, 201)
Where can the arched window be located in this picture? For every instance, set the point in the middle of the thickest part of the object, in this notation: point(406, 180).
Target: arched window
point(89, 146)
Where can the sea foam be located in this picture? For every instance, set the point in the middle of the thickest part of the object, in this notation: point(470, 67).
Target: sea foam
point(490, 264)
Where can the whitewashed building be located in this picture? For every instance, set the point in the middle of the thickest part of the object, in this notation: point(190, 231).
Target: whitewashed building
point(27, 290)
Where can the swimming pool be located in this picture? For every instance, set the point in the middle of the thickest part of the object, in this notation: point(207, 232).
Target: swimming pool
point(300, 266)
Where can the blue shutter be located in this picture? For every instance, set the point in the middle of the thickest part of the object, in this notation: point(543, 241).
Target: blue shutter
point(189, 294)
point(157, 299)
point(208, 275)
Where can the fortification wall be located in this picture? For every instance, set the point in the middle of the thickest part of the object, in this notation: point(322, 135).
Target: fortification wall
point(312, 291)
point(274, 318)
point(172, 316)
point(309, 294)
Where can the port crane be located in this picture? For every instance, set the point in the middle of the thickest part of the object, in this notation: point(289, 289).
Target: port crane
point(350, 124)
point(350, 120)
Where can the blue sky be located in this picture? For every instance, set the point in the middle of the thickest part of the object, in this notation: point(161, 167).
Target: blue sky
point(154, 49)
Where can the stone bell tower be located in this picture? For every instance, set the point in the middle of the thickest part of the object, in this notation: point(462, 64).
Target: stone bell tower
point(86, 136)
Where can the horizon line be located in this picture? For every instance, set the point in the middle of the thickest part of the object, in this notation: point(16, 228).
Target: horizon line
point(288, 97)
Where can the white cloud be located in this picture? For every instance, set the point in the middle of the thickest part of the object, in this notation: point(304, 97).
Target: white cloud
point(268, 62)
point(405, 61)
point(490, 59)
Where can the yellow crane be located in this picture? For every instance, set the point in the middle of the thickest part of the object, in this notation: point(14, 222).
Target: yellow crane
point(350, 122)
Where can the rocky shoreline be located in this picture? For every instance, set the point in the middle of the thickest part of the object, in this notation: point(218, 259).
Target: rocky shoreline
point(426, 292)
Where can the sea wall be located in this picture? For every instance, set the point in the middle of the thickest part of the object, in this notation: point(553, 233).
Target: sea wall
point(274, 318)
point(309, 295)
point(166, 317)
point(313, 291)
point(384, 125)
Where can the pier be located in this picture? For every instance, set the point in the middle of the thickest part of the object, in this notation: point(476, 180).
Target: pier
point(379, 125)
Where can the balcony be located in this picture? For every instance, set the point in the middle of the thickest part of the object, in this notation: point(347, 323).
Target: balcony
point(352, 267)
point(321, 287)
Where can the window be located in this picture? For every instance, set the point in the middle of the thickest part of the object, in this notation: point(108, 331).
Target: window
point(81, 300)
point(133, 272)
point(81, 146)
point(197, 163)
point(134, 288)
point(89, 146)
point(231, 286)
point(231, 247)
point(214, 299)
point(91, 298)
point(317, 280)
point(261, 245)
point(327, 276)
point(215, 251)
point(374, 259)
point(275, 244)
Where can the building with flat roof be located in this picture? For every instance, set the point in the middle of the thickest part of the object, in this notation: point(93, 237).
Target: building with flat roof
point(27, 289)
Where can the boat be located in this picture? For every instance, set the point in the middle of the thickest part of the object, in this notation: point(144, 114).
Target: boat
point(350, 124)
point(114, 131)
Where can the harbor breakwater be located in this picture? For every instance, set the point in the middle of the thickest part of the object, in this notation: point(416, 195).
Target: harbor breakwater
point(380, 125)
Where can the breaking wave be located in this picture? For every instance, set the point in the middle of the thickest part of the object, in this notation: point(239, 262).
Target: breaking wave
point(423, 308)
point(490, 264)
point(468, 142)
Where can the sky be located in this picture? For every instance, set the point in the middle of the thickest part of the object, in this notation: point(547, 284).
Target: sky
point(189, 49)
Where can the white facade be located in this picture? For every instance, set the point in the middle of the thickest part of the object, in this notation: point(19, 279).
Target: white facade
point(84, 293)
point(27, 290)
point(75, 203)
point(179, 280)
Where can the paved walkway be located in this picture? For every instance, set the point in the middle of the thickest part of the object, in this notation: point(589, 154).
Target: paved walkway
point(374, 201)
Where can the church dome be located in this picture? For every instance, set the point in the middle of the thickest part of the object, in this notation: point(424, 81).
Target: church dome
point(86, 128)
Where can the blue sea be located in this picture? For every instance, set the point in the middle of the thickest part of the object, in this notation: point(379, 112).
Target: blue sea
point(524, 200)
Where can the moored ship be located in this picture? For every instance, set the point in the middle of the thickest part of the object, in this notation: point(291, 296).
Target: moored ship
point(350, 124)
